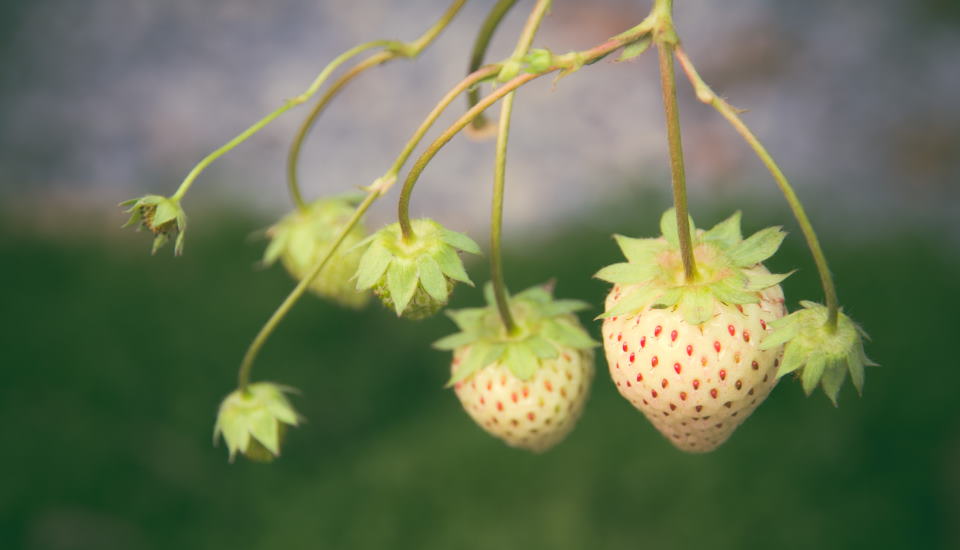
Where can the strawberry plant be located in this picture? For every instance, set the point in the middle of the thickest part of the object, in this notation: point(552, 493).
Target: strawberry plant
point(695, 331)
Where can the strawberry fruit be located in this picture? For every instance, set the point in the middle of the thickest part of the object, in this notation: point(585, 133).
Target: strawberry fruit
point(687, 354)
point(527, 388)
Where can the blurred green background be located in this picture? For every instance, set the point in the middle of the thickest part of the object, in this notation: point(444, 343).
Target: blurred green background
point(115, 363)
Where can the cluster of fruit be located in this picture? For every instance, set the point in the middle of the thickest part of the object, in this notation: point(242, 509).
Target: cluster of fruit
point(695, 329)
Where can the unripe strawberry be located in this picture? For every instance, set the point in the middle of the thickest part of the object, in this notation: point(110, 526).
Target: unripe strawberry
point(303, 237)
point(160, 215)
point(527, 388)
point(414, 276)
point(687, 354)
point(253, 421)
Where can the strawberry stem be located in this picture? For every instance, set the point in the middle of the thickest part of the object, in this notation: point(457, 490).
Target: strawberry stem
point(706, 95)
point(410, 50)
point(666, 42)
point(479, 52)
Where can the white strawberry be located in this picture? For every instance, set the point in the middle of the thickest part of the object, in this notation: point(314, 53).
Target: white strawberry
point(687, 354)
point(528, 388)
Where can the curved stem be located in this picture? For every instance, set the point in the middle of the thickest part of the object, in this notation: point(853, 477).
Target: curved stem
point(289, 104)
point(668, 85)
point(500, 170)
point(706, 95)
point(479, 52)
point(293, 157)
point(243, 377)
point(496, 217)
point(409, 50)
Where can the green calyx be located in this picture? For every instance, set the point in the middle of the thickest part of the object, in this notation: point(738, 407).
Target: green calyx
point(162, 216)
point(819, 353)
point(544, 326)
point(304, 237)
point(252, 421)
point(728, 269)
point(415, 276)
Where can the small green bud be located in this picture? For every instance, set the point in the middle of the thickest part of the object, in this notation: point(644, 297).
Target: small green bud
point(162, 216)
point(253, 421)
point(414, 276)
point(302, 238)
point(538, 61)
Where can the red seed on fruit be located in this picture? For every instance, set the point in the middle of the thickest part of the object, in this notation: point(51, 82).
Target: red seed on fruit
point(664, 383)
point(746, 335)
point(657, 330)
point(754, 365)
point(643, 341)
point(653, 393)
point(713, 393)
point(731, 330)
point(689, 350)
point(654, 362)
point(723, 374)
point(739, 384)
point(683, 396)
point(632, 357)
point(716, 346)
point(673, 336)
point(696, 384)
point(676, 367)
point(639, 377)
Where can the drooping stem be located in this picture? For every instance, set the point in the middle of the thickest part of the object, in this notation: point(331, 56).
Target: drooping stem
point(499, 173)
point(293, 157)
point(479, 52)
point(668, 85)
point(496, 217)
point(243, 377)
point(706, 95)
point(289, 104)
point(412, 49)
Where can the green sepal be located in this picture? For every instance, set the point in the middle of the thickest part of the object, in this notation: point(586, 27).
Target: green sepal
point(727, 292)
point(452, 266)
point(640, 251)
point(697, 305)
point(432, 279)
point(760, 281)
point(161, 216)
point(757, 247)
point(820, 354)
point(402, 281)
point(625, 273)
point(252, 421)
point(373, 264)
point(544, 326)
point(668, 227)
point(726, 233)
point(460, 241)
point(633, 302)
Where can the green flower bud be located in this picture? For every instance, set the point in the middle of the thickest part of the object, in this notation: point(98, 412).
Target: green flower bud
point(414, 277)
point(302, 238)
point(162, 216)
point(253, 421)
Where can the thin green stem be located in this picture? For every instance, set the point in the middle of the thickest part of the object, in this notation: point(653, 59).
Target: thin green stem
point(293, 157)
point(567, 63)
point(707, 95)
point(668, 85)
point(500, 170)
point(409, 50)
point(496, 217)
point(479, 52)
point(289, 104)
point(243, 377)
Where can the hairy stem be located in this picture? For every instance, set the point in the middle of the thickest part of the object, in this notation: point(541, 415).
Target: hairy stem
point(479, 52)
point(668, 85)
point(499, 173)
point(706, 95)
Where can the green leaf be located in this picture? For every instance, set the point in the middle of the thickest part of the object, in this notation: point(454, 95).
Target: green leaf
point(626, 273)
point(452, 266)
point(634, 49)
point(697, 305)
point(757, 247)
point(640, 251)
point(761, 281)
point(813, 372)
point(166, 211)
point(794, 356)
point(668, 227)
point(555, 308)
point(669, 298)
point(855, 362)
point(264, 428)
point(432, 279)
point(470, 363)
point(455, 341)
point(468, 319)
point(832, 380)
point(779, 336)
point(402, 281)
point(726, 233)
point(729, 294)
point(460, 241)
point(373, 264)
point(633, 303)
point(541, 347)
point(537, 294)
point(521, 361)
point(566, 334)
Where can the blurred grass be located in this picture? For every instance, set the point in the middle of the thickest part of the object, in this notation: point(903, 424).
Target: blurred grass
point(115, 363)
